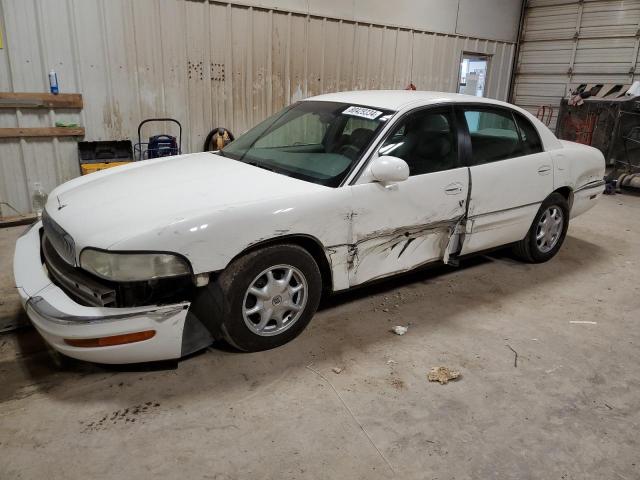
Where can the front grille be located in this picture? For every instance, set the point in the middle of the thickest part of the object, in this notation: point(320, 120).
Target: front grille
point(77, 284)
point(59, 239)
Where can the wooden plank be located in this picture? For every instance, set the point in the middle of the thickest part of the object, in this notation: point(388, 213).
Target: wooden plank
point(41, 132)
point(17, 220)
point(40, 100)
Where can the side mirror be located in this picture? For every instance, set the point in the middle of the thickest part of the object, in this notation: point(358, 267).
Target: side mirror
point(387, 169)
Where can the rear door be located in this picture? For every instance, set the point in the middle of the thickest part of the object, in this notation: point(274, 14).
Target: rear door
point(510, 175)
point(401, 226)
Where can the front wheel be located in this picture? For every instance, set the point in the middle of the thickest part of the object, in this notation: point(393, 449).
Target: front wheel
point(547, 232)
point(265, 298)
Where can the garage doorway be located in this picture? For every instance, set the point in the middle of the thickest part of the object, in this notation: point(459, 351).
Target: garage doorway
point(474, 70)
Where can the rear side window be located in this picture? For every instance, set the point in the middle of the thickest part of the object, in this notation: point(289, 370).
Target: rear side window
point(494, 135)
point(529, 134)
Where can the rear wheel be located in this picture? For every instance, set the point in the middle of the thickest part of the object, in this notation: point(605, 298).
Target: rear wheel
point(547, 232)
point(263, 299)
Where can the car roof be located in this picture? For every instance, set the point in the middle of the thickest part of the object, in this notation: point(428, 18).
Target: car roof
point(398, 99)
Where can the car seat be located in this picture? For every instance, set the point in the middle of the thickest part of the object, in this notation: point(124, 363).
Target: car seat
point(352, 145)
point(433, 148)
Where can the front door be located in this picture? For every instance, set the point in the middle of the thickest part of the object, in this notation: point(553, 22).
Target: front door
point(510, 176)
point(400, 226)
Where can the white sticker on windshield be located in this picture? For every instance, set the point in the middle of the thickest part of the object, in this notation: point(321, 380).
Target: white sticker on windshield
point(362, 112)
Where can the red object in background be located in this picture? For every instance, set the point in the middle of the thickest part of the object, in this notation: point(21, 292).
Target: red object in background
point(583, 129)
point(411, 86)
point(544, 114)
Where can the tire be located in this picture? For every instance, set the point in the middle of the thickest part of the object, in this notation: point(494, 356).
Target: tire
point(225, 305)
point(534, 250)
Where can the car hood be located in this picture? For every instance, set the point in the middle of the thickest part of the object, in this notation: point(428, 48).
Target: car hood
point(107, 207)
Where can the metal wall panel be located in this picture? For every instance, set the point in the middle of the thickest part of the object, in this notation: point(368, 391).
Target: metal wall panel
point(491, 19)
point(205, 63)
point(569, 42)
point(495, 19)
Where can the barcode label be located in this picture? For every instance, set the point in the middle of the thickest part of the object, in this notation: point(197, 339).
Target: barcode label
point(362, 112)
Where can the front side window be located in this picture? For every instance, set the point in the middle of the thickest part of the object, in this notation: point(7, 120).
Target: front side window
point(426, 140)
point(494, 135)
point(314, 141)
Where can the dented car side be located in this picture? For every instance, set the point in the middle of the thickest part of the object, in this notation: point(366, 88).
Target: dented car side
point(360, 230)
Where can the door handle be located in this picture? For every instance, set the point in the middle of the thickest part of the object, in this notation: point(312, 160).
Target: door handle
point(544, 169)
point(453, 188)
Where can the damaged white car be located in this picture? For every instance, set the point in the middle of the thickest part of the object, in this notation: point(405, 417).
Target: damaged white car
point(156, 259)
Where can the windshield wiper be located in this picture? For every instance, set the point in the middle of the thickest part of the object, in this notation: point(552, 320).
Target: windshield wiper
point(251, 162)
point(225, 155)
point(256, 164)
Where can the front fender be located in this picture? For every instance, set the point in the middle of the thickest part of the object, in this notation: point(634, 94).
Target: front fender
point(211, 240)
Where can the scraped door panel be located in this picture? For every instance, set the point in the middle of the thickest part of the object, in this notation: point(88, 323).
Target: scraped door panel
point(505, 197)
point(405, 225)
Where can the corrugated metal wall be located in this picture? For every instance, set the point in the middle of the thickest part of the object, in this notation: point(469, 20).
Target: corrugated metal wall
point(567, 43)
point(205, 63)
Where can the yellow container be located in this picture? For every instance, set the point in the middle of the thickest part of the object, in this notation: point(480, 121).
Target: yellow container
point(95, 167)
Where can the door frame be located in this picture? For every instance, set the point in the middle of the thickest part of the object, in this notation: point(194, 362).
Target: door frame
point(489, 57)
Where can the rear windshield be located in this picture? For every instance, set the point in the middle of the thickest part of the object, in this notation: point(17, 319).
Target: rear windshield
point(314, 141)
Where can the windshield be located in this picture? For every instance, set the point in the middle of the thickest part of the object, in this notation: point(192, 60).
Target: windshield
point(314, 141)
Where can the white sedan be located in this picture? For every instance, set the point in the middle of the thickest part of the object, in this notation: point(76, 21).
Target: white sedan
point(156, 259)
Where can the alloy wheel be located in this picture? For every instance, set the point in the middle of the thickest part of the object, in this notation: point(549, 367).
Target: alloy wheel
point(549, 229)
point(275, 300)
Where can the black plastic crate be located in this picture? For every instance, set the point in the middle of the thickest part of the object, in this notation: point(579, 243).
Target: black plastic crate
point(105, 151)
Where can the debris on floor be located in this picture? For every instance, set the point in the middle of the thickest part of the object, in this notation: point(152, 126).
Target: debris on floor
point(442, 375)
point(515, 359)
point(583, 322)
point(399, 330)
point(397, 383)
point(337, 370)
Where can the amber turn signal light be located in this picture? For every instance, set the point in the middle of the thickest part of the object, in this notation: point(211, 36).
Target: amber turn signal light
point(110, 341)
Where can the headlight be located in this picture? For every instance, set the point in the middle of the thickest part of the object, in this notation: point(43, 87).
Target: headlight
point(132, 267)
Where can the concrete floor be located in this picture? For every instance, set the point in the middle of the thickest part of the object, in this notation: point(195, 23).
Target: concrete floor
point(569, 410)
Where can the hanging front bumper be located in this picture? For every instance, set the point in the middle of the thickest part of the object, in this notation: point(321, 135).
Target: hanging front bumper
point(62, 321)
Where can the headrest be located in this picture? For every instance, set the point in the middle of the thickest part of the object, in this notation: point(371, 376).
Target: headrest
point(360, 137)
point(435, 123)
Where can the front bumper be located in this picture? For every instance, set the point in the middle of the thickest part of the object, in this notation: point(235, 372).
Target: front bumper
point(57, 317)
